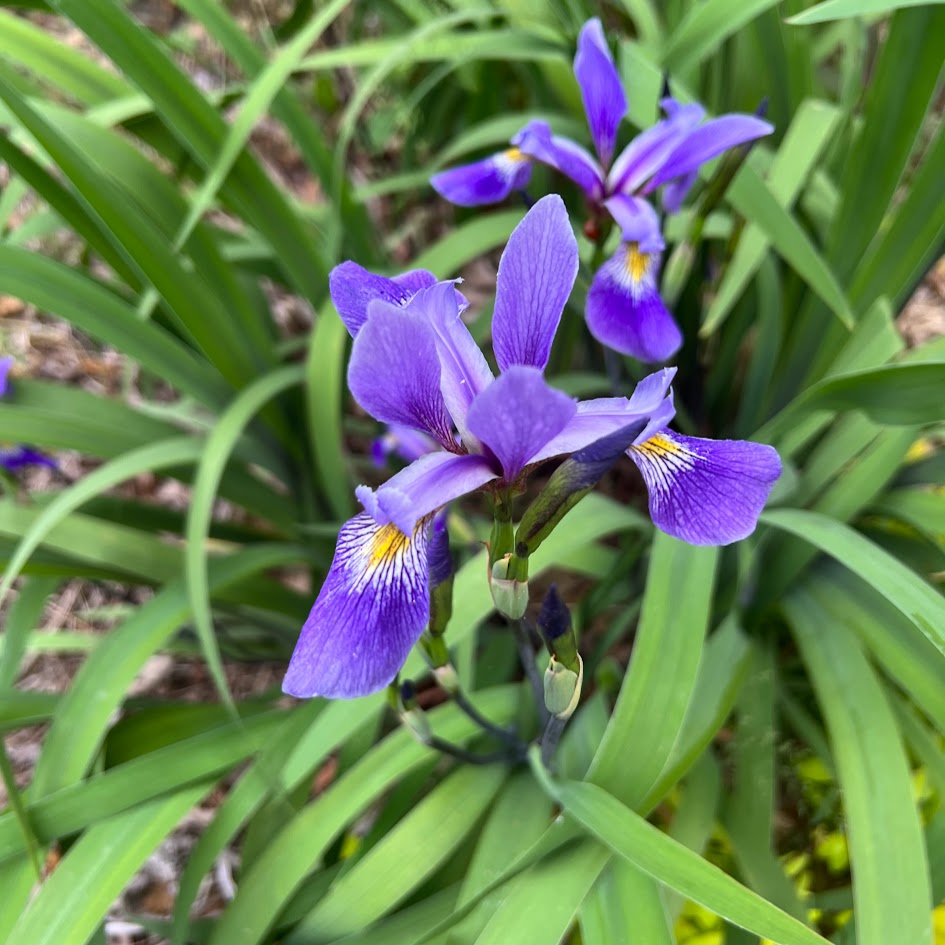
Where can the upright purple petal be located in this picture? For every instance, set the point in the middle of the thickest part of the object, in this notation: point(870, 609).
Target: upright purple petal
point(487, 181)
point(415, 280)
point(5, 364)
point(652, 401)
point(517, 416)
point(426, 485)
point(407, 443)
point(537, 141)
point(370, 611)
point(650, 149)
point(624, 309)
point(601, 88)
point(353, 288)
point(394, 372)
point(536, 275)
point(706, 492)
point(464, 371)
point(707, 142)
point(638, 222)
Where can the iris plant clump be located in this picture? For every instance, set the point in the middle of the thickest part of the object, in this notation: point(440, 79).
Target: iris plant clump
point(624, 309)
point(15, 457)
point(414, 364)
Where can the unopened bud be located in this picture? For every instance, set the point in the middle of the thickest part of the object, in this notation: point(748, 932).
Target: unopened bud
point(562, 688)
point(569, 483)
point(509, 593)
point(411, 715)
point(554, 618)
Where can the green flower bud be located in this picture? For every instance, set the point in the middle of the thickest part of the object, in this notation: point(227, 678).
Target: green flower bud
point(563, 688)
point(509, 592)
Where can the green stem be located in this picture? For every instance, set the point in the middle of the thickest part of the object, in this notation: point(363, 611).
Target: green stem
point(22, 818)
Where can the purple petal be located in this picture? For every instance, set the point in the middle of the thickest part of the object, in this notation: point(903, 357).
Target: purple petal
point(624, 309)
point(5, 364)
point(370, 611)
point(426, 485)
point(707, 142)
point(706, 492)
point(638, 222)
point(415, 280)
point(518, 415)
point(353, 288)
point(440, 560)
point(595, 419)
point(17, 457)
point(536, 275)
point(537, 141)
point(394, 372)
point(487, 181)
point(405, 442)
point(464, 371)
point(674, 193)
point(650, 149)
point(601, 88)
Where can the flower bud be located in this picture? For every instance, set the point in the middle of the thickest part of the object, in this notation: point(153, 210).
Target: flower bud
point(569, 483)
point(509, 594)
point(562, 688)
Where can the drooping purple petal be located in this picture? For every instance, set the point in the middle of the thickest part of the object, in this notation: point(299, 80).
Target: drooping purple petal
point(5, 364)
point(645, 155)
point(638, 222)
point(624, 309)
point(464, 371)
point(424, 486)
point(706, 492)
point(674, 193)
point(536, 275)
point(707, 142)
point(537, 141)
point(487, 181)
point(17, 457)
point(601, 88)
point(370, 611)
point(407, 443)
point(652, 401)
point(517, 416)
point(394, 372)
point(415, 280)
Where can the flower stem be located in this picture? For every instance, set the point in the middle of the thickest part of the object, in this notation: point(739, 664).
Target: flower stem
point(510, 738)
point(527, 656)
point(549, 739)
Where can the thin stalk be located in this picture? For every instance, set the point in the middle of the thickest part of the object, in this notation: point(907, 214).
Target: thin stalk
point(510, 738)
point(550, 738)
point(527, 656)
point(22, 818)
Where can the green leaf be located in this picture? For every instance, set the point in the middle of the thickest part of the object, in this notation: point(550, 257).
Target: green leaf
point(892, 899)
point(625, 905)
point(71, 902)
point(662, 676)
point(846, 9)
point(916, 600)
point(464, 243)
point(216, 455)
point(803, 142)
point(658, 855)
point(404, 857)
point(82, 716)
point(705, 27)
point(24, 614)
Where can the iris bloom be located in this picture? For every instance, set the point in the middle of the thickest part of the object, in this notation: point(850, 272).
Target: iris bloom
point(13, 458)
point(624, 308)
point(415, 363)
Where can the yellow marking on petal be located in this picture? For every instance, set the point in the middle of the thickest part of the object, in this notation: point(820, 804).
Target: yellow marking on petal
point(659, 447)
point(636, 263)
point(513, 154)
point(389, 543)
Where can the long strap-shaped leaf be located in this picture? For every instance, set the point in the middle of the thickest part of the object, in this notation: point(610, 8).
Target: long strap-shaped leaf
point(652, 851)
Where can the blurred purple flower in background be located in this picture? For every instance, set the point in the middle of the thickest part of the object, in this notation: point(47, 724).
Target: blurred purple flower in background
point(16, 457)
point(624, 308)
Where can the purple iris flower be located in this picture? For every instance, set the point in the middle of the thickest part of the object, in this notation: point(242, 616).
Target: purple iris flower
point(13, 458)
point(415, 363)
point(624, 308)
point(402, 441)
